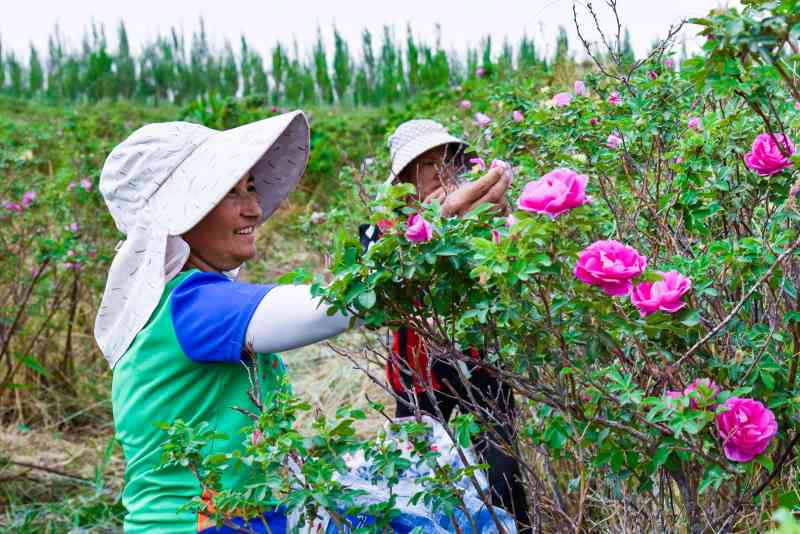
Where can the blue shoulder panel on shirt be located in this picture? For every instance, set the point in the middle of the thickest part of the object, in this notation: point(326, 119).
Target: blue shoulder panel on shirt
point(210, 314)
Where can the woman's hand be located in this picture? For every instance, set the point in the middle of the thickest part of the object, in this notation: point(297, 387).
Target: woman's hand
point(490, 188)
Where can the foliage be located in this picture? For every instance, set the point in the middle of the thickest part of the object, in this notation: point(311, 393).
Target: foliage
point(167, 70)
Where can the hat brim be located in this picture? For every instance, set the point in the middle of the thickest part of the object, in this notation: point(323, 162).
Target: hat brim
point(416, 148)
point(274, 150)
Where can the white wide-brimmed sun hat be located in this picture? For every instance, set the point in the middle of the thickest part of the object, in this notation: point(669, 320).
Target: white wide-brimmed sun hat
point(164, 179)
point(412, 139)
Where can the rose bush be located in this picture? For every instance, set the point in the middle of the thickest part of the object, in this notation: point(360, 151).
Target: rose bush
point(705, 248)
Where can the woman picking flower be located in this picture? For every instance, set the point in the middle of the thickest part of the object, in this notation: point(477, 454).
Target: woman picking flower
point(425, 155)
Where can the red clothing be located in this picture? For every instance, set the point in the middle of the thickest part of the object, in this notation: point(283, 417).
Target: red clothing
point(408, 345)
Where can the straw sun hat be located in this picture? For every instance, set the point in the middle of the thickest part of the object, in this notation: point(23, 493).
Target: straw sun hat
point(164, 179)
point(412, 139)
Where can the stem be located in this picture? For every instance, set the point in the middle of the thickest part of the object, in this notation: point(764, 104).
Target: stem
point(741, 302)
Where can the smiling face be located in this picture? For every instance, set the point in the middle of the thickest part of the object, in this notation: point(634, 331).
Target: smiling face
point(225, 238)
point(433, 169)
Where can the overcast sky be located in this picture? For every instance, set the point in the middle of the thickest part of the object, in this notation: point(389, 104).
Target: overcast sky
point(267, 21)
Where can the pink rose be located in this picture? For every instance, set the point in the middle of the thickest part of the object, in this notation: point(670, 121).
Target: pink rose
point(16, 207)
point(273, 109)
point(664, 295)
point(610, 265)
point(797, 105)
point(669, 63)
point(465, 104)
point(499, 163)
point(517, 116)
point(766, 158)
point(74, 227)
point(482, 120)
point(480, 72)
point(694, 123)
point(562, 99)
point(703, 389)
point(652, 75)
point(613, 141)
point(479, 163)
point(580, 88)
point(554, 193)
point(615, 99)
point(28, 197)
point(496, 237)
point(672, 396)
point(511, 220)
point(92, 253)
point(594, 121)
point(419, 230)
point(86, 184)
point(746, 428)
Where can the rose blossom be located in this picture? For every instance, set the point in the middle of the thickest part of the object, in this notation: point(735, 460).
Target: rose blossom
point(554, 193)
point(74, 227)
point(28, 197)
point(694, 123)
point(13, 206)
point(496, 237)
point(613, 141)
point(708, 387)
point(766, 158)
point(746, 428)
point(480, 72)
point(594, 121)
point(419, 230)
point(672, 396)
point(652, 75)
point(669, 63)
point(562, 99)
point(511, 220)
point(797, 105)
point(517, 116)
point(615, 99)
point(465, 104)
point(384, 225)
point(664, 295)
point(482, 120)
point(503, 165)
point(479, 163)
point(610, 265)
point(580, 88)
point(86, 184)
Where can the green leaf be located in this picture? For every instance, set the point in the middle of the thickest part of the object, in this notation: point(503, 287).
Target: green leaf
point(367, 299)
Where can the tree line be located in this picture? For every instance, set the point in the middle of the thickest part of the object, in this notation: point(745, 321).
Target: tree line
point(168, 69)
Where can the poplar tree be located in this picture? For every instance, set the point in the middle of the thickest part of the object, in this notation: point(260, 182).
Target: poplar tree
point(230, 75)
point(412, 60)
point(321, 70)
point(124, 65)
point(16, 87)
point(35, 73)
point(279, 70)
point(342, 67)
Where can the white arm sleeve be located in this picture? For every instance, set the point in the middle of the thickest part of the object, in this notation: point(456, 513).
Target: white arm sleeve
point(288, 317)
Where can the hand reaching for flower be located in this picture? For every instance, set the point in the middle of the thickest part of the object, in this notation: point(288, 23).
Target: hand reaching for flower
point(490, 188)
